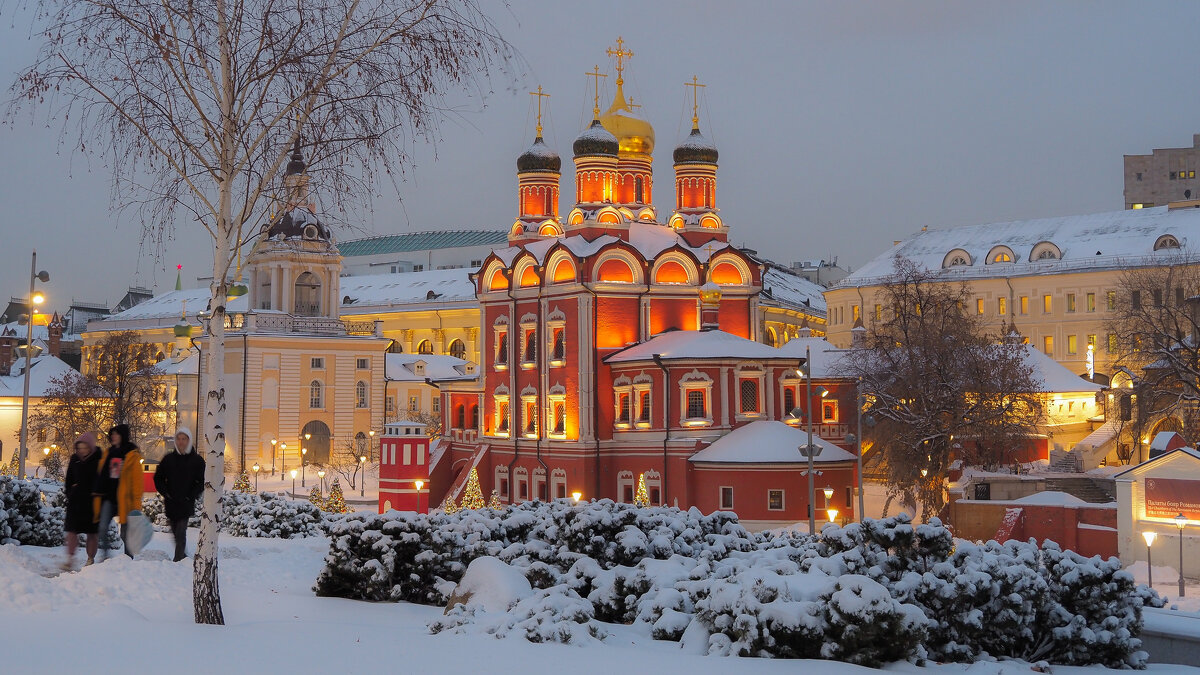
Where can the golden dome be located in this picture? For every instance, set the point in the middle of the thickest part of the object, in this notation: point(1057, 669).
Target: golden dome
point(634, 135)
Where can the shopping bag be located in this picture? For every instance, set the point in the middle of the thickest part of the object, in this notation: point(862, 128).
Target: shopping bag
point(138, 532)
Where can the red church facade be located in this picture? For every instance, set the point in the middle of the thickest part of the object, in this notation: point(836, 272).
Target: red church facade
point(617, 347)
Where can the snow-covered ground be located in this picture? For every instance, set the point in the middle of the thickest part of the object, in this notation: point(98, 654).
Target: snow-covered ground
point(135, 615)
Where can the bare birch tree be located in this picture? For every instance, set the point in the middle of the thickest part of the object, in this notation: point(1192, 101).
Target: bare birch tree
point(195, 104)
point(939, 387)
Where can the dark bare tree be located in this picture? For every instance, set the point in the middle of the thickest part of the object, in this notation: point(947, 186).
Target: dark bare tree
point(939, 387)
point(1155, 330)
point(195, 105)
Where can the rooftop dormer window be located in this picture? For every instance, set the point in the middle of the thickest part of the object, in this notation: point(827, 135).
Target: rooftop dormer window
point(1165, 242)
point(957, 258)
point(1000, 254)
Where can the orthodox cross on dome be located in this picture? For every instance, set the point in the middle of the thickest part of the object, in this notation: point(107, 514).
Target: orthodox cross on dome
point(632, 105)
point(695, 85)
point(596, 74)
point(539, 96)
point(709, 249)
point(620, 54)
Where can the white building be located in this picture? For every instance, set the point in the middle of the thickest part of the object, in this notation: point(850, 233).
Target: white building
point(419, 251)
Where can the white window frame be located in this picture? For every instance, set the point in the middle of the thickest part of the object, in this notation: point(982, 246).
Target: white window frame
point(622, 386)
point(529, 402)
point(758, 375)
point(361, 395)
point(501, 396)
point(721, 497)
point(642, 384)
point(500, 327)
point(528, 324)
point(554, 322)
point(695, 380)
point(319, 397)
point(782, 499)
point(557, 396)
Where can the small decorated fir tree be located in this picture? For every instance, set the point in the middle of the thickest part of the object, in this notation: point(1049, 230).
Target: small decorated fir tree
point(642, 498)
point(316, 498)
point(473, 497)
point(448, 505)
point(494, 502)
point(337, 501)
point(242, 484)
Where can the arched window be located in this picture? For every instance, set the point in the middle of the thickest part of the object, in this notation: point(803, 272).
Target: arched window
point(726, 274)
point(360, 442)
point(638, 190)
point(360, 394)
point(671, 272)
point(615, 270)
point(1000, 254)
point(1166, 241)
point(460, 416)
point(609, 218)
point(789, 400)
point(316, 395)
point(475, 416)
point(529, 277)
point(498, 282)
point(308, 295)
point(425, 347)
point(957, 258)
point(458, 349)
point(1001, 257)
point(772, 337)
point(564, 272)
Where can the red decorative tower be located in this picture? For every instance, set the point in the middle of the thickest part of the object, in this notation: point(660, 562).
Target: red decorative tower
point(404, 468)
point(635, 142)
point(538, 172)
point(695, 158)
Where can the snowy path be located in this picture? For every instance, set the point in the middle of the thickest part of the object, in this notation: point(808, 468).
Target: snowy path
point(138, 614)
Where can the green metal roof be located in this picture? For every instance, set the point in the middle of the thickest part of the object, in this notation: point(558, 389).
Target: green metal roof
point(422, 241)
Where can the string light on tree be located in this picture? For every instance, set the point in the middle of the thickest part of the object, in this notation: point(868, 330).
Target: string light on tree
point(242, 484)
point(494, 501)
point(642, 498)
point(337, 501)
point(448, 505)
point(473, 496)
point(316, 498)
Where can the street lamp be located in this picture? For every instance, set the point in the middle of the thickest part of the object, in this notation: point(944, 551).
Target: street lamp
point(577, 495)
point(832, 513)
point(810, 451)
point(303, 464)
point(420, 484)
point(45, 456)
point(371, 442)
point(282, 459)
point(274, 443)
point(321, 476)
point(1149, 536)
point(294, 472)
point(828, 495)
point(362, 484)
point(35, 298)
point(256, 468)
point(1180, 521)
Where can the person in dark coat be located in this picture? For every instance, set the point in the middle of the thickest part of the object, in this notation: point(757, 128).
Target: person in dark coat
point(180, 480)
point(118, 489)
point(77, 487)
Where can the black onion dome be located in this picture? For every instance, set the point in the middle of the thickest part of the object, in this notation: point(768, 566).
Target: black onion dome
point(296, 166)
point(539, 157)
point(299, 223)
point(596, 140)
point(695, 149)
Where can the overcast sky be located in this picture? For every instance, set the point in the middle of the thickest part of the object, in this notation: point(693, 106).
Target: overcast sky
point(841, 126)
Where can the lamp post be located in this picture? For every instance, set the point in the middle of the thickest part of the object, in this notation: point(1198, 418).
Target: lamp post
point(828, 495)
point(35, 298)
point(1149, 536)
point(294, 472)
point(274, 443)
point(812, 523)
point(1180, 521)
point(858, 440)
point(420, 484)
point(832, 513)
point(256, 468)
point(371, 442)
point(362, 480)
point(321, 477)
point(282, 459)
point(303, 465)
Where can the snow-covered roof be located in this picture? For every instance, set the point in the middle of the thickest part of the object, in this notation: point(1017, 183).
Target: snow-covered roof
point(1050, 498)
point(372, 291)
point(695, 344)
point(170, 305)
point(438, 367)
point(188, 365)
point(768, 442)
point(826, 359)
point(787, 287)
point(21, 332)
point(1055, 377)
point(421, 241)
point(45, 368)
point(1116, 239)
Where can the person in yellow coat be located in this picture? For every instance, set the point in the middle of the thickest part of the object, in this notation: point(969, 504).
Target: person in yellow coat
point(119, 485)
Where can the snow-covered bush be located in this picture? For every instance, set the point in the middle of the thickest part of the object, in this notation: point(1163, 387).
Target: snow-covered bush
point(262, 514)
point(26, 515)
point(868, 593)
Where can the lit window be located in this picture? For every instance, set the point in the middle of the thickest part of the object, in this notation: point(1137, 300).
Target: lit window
point(1047, 303)
point(979, 306)
point(644, 407)
point(1024, 304)
point(1072, 346)
point(726, 498)
point(502, 347)
point(316, 397)
point(360, 394)
point(531, 418)
point(530, 352)
point(1091, 302)
point(1111, 298)
point(560, 344)
point(458, 349)
point(854, 313)
point(1001, 258)
point(829, 412)
point(1048, 345)
point(560, 418)
point(1002, 306)
point(1112, 343)
point(789, 400)
point(1138, 206)
point(774, 500)
point(623, 408)
point(696, 408)
point(1070, 302)
point(414, 404)
point(425, 347)
point(502, 415)
point(879, 312)
point(437, 404)
point(749, 395)
point(1091, 340)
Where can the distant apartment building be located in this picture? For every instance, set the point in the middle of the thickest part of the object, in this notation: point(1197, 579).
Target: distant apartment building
point(419, 251)
point(1165, 175)
point(821, 272)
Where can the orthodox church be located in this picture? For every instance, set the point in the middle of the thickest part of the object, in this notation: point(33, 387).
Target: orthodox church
point(621, 345)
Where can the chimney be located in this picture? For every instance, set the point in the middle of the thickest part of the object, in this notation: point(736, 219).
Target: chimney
point(55, 329)
point(8, 351)
point(710, 306)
